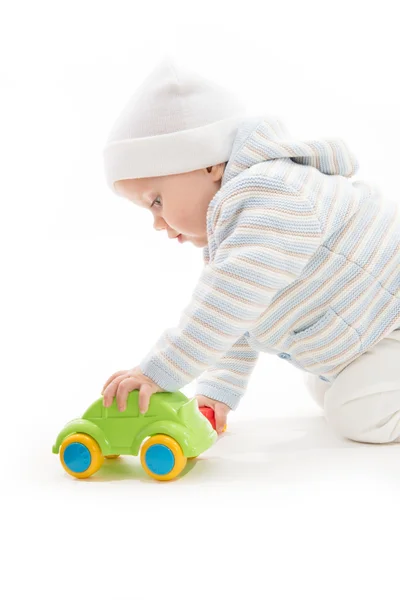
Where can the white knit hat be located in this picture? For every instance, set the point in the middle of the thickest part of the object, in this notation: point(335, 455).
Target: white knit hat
point(177, 121)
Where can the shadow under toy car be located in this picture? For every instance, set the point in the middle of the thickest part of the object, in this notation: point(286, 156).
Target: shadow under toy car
point(172, 431)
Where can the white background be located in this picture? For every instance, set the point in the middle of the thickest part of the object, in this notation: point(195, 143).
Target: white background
point(280, 507)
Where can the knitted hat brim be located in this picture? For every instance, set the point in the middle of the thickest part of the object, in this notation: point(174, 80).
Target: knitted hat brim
point(172, 153)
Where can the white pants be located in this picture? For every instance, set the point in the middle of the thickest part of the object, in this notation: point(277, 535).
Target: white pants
point(363, 402)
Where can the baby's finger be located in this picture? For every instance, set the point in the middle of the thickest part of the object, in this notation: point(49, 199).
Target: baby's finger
point(144, 397)
point(126, 385)
point(110, 379)
point(220, 418)
point(111, 390)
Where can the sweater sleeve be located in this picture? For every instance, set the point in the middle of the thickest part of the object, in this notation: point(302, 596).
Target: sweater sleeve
point(227, 380)
point(263, 243)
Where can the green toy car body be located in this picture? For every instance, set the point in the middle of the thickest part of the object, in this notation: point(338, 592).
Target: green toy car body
point(173, 426)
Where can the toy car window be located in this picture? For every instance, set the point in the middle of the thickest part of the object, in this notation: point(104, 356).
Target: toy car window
point(154, 410)
point(132, 410)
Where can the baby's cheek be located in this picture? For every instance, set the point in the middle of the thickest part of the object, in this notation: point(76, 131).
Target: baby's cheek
point(183, 224)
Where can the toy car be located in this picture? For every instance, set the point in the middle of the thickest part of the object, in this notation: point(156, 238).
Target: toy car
point(170, 432)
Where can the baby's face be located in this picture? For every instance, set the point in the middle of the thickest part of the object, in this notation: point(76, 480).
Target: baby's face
point(178, 203)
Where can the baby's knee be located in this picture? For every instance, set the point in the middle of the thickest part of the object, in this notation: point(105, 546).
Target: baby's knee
point(370, 418)
point(341, 418)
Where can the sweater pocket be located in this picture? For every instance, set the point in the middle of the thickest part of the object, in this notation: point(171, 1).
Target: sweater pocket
point(308, 326)
point(328, 341)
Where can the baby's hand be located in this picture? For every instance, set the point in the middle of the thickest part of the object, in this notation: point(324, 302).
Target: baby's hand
point(221, 411)
point(123, 382)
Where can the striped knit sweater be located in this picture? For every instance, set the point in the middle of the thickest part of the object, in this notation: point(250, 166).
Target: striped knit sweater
point(301, 263)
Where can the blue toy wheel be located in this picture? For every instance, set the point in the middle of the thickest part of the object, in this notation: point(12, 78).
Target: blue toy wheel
point(159, 459)
point(77, 457)
point(162, 457)
point(80, 455)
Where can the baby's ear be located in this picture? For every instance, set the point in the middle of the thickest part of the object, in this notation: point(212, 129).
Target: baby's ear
point(217, 171)
point(220, 170)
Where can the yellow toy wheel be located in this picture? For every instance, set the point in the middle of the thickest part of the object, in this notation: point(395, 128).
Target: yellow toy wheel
point(110, 456)
point(162, 457)
point(80, 455)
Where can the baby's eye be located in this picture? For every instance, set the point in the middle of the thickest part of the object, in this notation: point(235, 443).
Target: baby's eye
point(154, 201)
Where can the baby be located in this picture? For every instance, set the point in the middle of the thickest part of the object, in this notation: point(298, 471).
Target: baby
point(300, 262)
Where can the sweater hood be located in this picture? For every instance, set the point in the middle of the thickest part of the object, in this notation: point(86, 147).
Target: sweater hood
point(259, 139)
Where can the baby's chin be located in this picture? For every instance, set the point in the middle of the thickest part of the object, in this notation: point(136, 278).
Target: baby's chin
point(196, 241)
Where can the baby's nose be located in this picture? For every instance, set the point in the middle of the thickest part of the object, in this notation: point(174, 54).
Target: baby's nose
point(158, 226)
